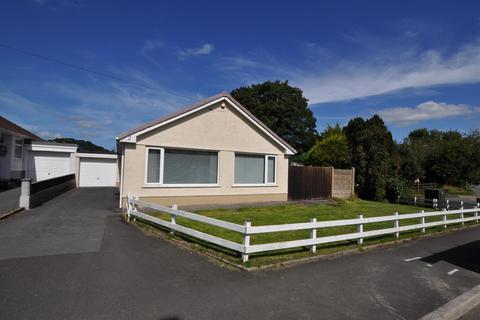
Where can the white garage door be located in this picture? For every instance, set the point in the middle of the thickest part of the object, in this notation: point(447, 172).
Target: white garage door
point(96, 172)
point(44, 165)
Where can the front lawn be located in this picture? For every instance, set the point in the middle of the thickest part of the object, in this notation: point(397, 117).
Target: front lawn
point(294, 213)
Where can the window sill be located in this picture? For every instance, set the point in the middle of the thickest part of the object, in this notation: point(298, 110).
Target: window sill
point(153, 185)
point(248, 185)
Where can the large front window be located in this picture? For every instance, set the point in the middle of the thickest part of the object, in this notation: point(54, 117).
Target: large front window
point(255, 169)
point(181, 167)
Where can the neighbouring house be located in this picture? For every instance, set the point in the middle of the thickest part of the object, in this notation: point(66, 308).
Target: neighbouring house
point(25, 155)
point(13, 140)
point(214, 152)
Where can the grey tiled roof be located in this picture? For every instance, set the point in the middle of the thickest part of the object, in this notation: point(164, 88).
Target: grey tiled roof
point(199, 104)
point(12, 127)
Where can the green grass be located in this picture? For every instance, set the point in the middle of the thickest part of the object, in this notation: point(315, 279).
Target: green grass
point(294, 213)
point(459, 191)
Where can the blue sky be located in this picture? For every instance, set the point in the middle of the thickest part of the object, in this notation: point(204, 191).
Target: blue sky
point(417, 63)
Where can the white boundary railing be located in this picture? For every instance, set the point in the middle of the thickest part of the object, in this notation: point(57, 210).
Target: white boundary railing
point(247, 229)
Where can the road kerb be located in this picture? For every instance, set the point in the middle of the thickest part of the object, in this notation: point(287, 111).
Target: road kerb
point(457, 307)
point(8, 214)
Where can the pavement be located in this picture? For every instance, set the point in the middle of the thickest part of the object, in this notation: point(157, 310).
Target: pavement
point(74, 258)
point(9, 200)
point(472, 315)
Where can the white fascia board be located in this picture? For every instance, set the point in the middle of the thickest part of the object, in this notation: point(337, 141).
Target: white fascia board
point(133, 137)
point(130, 139)
point(36, 146)
point(97, 155)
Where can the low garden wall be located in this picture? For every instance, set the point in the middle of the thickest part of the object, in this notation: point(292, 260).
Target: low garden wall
point(343, 183)
point(36, 193)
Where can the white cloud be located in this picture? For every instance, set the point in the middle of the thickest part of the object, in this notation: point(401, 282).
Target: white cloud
point(50, 135)
point(97, 111)
point(236, 63)
point(378, 67)
point(60, 3)
point(205, 49)
point(429, 68)
point(102, 109)
point(150, 45)
point(404, 116)
point(253, 68)
point(11, 100)
point(84, 122)
point(72, 3)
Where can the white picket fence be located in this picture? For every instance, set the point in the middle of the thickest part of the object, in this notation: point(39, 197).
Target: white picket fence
point(245, 248)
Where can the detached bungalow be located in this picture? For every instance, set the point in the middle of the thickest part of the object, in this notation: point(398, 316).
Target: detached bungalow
point(214, 152)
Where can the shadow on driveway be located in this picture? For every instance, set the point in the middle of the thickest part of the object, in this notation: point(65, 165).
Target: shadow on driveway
point(465, 256)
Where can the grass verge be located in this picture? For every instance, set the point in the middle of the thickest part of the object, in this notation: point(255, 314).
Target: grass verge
point(458, 191)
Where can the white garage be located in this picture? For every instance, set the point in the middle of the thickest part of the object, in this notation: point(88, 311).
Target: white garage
point(97, 170)
point(46, 160)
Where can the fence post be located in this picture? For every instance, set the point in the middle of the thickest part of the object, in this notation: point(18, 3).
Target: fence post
point(353, 181)
point(129, 206)
point(173, 219)
point(134, 207)
point(246, 240)
point(444, 219)
point(24, 201)
point(476, 212)
point(396, 225)
point(332, 176)
point(360, 229)
point(313, 235)
point(422, 221)
point(462, 215)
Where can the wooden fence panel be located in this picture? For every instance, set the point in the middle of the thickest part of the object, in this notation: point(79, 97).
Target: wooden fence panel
point(309, 182)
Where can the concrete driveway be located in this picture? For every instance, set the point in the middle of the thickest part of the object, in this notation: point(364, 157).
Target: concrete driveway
point(9, 200)
point(74, 258)
point(72, 223)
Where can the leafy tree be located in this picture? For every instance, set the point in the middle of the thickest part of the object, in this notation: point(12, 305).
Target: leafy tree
point(331, 150)
point(473, 144)
point(83, 145)
point(450, 161)
point(398, 187)
point(355, 133)
point(283, 109)
point(414, 152)
point(373, 155)
point(443, 157)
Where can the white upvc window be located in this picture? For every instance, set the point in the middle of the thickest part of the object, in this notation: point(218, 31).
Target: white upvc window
point(180, 167)
point(255, 169)
point(18, 152)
